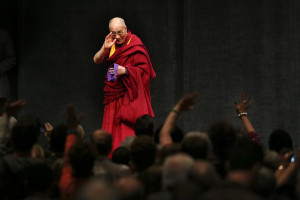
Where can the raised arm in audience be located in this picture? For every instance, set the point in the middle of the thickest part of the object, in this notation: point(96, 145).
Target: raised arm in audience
point(186, 103)
point(241, 108)
point(11, 108)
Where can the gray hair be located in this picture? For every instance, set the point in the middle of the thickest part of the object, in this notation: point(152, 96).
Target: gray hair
point(176, 169)
point(202, 135)
point(119, 19)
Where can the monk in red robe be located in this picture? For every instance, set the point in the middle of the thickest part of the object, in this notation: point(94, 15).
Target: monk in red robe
point(127, 89)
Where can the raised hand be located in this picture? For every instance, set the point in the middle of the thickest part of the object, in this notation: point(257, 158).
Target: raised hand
point(243, 104)
point(72, 119)
point(49, 129)
point(109, 41)
point(187, 102)
point(11, 108)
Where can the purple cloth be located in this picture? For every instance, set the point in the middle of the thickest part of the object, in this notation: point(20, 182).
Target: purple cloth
point(113, 77)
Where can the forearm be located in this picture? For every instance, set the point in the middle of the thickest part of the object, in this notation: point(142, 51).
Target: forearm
point(165, 133)
point(247, 124)
point(99, 56)
point(283, 175)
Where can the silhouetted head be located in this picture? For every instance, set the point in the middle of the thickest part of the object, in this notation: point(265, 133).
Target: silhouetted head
point(223, 136)
point(196, 144)
point(144, 125)
point(176, 134)
point(143, 152)
point(121, 155)
point(102, 141)
point(280, 141)
point(244, 155)
point(25, 133)
point(82, 157)
point(58, 138)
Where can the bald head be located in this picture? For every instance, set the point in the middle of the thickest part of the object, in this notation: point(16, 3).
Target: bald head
point(102, 141)
point(117, 20)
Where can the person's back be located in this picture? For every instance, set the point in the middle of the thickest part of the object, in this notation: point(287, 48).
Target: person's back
point(78, 164)
point(143, 152)
point(14, 173)
point(244, 161)
point(14, 168)
point(222, 136)
point(109, 171)
point(103, 167)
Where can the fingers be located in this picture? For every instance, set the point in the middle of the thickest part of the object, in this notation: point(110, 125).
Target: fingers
point(48, 127)
point(248, 98)
point(188, 101)
point(72, 119)
point(108, 36)
point(111, 71)
point(70, 112)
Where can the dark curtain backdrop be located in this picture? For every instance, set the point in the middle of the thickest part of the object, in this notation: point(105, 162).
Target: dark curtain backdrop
point(216, 48)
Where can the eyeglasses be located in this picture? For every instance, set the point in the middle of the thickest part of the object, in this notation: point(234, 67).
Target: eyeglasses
point(117, 33)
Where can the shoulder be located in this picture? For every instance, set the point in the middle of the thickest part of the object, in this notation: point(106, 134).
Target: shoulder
point(136, 40)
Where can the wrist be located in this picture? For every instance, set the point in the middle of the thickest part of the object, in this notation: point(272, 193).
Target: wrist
point(175, 110)
point(123, 69)
point(241, 114)
point(104, 49)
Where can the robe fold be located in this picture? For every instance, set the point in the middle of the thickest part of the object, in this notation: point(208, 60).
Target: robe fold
point(127, 98)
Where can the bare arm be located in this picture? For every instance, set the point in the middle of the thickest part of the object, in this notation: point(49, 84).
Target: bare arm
point(286, 169)
point(241, 109)
point(108, 43)
point(186, 103)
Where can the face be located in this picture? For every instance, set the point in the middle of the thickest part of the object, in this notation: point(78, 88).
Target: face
point(119, 32)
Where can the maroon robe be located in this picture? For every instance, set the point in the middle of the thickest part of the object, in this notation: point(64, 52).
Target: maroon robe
point(128, 97)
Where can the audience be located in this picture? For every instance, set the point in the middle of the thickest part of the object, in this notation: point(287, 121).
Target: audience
point(121, 155)
point(103, 167)
point(79, 159)
point(165, 164)
point(197, 145)
point(143, 153)
point(144, 125)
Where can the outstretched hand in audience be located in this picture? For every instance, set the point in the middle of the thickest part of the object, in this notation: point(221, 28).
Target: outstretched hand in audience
point(243, 104)
point(187, 102)
point(72, 119)
point(12, 108)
